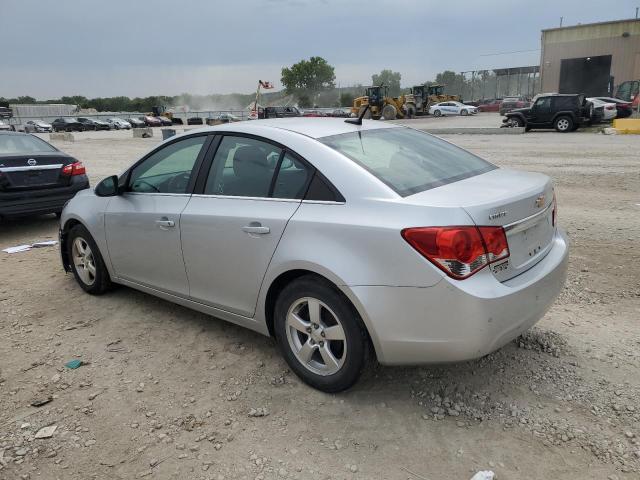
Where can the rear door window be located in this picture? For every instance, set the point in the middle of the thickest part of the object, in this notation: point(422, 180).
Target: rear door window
point(407, 160)
point(292, 179)
point(242, 167)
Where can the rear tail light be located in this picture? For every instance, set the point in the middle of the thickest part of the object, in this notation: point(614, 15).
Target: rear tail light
point(459, 251)
point(72, 169)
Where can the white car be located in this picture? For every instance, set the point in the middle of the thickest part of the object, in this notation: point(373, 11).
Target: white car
point(118, 123)
point(4, 126)
point(333, 236)
point(36, 126)
point(609, 109)
point(452, 108)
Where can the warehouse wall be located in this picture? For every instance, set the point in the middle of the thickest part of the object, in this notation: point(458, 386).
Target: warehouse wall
point(590, 41)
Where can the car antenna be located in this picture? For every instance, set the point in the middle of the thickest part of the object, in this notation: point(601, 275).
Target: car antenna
point(358, 121)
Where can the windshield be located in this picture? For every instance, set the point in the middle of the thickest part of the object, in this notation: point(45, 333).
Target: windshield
point(407, 160)
point(23, 144)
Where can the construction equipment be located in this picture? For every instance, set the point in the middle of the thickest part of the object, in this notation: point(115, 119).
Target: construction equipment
point(160, 111)
point(424, 96)
point(380, 104)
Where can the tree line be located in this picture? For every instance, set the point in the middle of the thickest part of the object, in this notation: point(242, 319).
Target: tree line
point(309, 83)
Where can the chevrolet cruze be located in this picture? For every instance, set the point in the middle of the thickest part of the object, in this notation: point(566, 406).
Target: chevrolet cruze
point(335, 238)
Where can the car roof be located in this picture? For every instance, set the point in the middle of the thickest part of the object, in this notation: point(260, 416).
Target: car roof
point(314, 127)
point(11, 132)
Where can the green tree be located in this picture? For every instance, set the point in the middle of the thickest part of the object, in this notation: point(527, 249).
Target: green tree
point(454, 82)
point(346, 99)
point(304, 101)
point(308, 77)
point(389, 78)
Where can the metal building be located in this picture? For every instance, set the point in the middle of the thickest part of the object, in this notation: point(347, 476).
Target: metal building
point(592, 58)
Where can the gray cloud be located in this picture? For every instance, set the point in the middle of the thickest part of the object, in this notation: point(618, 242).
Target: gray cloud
point(143, 47)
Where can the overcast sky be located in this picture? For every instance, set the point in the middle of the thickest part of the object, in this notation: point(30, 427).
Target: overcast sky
point(147, 47)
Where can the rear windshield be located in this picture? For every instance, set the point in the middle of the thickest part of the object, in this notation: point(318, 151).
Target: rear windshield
point(407, 160)
point(23, 144)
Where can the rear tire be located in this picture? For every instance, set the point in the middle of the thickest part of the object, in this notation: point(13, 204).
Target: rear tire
point(320, 334)
point(563, 124)
point(437, 113)
point(86, 261)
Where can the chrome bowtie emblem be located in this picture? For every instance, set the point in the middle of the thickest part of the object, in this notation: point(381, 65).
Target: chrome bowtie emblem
point(32, 162)
point(540, 201)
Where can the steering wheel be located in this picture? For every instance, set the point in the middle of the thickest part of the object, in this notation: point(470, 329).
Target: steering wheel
point(179, 183)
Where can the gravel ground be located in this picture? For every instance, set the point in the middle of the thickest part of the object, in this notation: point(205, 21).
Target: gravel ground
point(165, 392)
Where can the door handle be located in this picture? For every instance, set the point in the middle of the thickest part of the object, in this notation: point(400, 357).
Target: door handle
point(165, 223)
point(256, 228)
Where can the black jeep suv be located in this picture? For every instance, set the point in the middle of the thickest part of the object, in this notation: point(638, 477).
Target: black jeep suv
point(564, 112)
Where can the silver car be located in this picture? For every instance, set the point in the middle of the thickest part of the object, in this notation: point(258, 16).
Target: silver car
point(336, 239)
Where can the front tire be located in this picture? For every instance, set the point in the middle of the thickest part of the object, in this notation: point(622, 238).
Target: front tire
point(516, 122)
point(86, 261)
point(563, 124)
point(464, 113)
point(320, 334)
point(389, 112)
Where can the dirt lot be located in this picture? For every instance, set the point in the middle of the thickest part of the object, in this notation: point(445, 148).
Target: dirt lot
point(165, 392)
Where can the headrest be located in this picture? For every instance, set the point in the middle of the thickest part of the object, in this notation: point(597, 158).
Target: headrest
point(247, 159)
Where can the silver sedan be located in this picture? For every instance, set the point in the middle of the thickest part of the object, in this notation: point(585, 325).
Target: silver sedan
point(334, 238)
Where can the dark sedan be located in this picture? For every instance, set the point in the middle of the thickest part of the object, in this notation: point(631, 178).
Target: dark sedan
point(91, 124)
point(135, 122)
point(67, 124)
point(36, 177)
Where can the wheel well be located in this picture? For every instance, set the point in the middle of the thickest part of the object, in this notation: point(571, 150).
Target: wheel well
point(63, 242)
point(287, 277)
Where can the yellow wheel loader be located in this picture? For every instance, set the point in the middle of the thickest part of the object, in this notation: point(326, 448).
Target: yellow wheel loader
point(381, 105)
point(423, 96)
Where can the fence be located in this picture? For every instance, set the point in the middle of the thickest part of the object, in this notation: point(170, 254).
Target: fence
point(184, 116)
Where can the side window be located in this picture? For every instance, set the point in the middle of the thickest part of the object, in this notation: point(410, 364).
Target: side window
point(293, 178)
point(242, 167)
point(168, 170)
point(543, 105)
point(624, 91)
point(564, 103)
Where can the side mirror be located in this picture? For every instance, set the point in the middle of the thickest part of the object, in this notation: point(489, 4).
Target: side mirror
point(108, 187)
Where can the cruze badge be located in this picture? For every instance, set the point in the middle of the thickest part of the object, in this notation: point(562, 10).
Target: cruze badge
point(32, 162)
point(493, 216)
point(540, 201)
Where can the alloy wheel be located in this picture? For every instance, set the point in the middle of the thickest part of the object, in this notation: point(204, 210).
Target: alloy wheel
point(563, 124)
point(316, 336)
point(84, 261)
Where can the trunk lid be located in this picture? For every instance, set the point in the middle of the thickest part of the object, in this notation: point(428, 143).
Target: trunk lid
point(33, 171)
point(521, 202)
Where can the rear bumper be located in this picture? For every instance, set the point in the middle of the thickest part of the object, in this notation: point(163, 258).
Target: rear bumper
point(38, 202)
point(461, 320)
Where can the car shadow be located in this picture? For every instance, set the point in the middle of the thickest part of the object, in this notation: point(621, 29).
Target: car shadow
point(30, 228)
point(502, 378)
